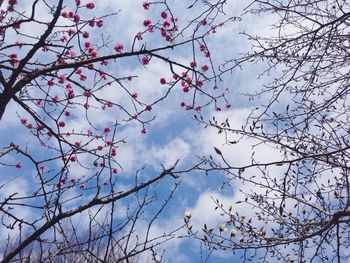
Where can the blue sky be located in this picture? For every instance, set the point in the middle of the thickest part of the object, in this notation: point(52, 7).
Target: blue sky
point(173, 134)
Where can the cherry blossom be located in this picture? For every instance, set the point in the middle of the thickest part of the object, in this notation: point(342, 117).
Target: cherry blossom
point(73, 158)
point(61, 124)
point(119, 47)
point(90, 5)
point(147, 22)
point(19, 165)
point(145, 60)
point(146, 5)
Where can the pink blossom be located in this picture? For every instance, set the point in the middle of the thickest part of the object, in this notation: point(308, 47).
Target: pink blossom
point(193, 64)
point(106, 129)
point(148, 107)
point(134, 95)
point(166, 23)
point(205, 67)
point(61, 124)
point(73, 180)
point(146, 5)
point(73, 158)
point(164, 15)
point(162, 81)
point(168, 38)
point(39, 103)
point(204, 22)
point(143, 130)
point(82, 186)
point(13, 2)
point(150, 29)
point(99, 23)
point(61, 79)
point(118, 47)
point(173, 20)
point(147, 22)
point(145, 60)
point(163, 32)
point(139, 36)
point(23, 120)
point(92, 23)
point(71, 53)
point(60, 61)
point(87, 44)
point(71, 31)
point(114, 170)
point(19, 165)
point(70, 94)
point(78, 2)
point(77, 144)
point(17, 25)
point(90, 5)
point(50, 83)
point(14, 60)
point(103, 75)
point(78, 71)
point(93, 54)
point(86, 34)
point(113, 151)
point(199, 83)
point(76, 18)
point(63, 39)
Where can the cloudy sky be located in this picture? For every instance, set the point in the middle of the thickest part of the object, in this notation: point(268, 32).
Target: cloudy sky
point(173, 134)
